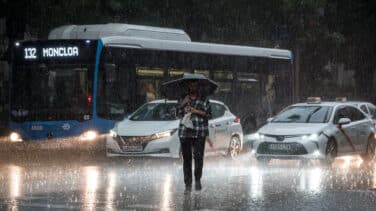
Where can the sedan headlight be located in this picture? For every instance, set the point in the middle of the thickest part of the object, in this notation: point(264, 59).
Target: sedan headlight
point(310, 137)
point(164, 134)
point(256, 136)
point(113, 133)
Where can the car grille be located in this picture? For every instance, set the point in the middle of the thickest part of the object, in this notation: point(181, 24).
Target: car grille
point(281, 149)
point(281, 137)
point(129, 140)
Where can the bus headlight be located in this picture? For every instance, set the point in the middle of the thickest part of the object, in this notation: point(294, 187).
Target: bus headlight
point(15, 137)
point(89, 135)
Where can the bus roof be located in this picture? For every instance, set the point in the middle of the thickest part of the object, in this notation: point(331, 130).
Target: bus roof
point(156, 38)
point(116, 29)
point(196, 47)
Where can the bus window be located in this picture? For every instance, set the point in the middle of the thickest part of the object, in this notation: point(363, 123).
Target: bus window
point(172, 73)
point(222, 75)
point(114, 85)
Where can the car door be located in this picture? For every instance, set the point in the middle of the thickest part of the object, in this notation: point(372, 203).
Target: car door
point(343, 134)
point(219, 126)
point(360, 125)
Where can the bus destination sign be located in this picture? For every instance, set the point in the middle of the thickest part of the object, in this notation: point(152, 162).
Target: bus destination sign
point(50, 52)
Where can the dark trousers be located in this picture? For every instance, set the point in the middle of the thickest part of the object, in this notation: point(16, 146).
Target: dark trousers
point(198, 146)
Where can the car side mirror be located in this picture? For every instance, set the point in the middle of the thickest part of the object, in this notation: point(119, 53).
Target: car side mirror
point(344, 121)
point(270, 119)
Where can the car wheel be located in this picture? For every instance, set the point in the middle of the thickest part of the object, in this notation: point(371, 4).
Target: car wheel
point(330, 153)
point(370, 151)
point(234, 147)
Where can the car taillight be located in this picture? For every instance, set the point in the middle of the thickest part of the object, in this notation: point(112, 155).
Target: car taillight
point(237, 120)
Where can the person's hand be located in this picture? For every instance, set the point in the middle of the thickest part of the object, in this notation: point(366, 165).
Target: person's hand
point(191, 109)
point(207, 139)
point(184, 101)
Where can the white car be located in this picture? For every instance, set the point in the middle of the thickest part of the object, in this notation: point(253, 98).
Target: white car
point(317, 130)
point(152, 130)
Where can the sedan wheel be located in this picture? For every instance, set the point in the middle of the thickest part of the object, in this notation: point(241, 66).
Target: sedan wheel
point(234, 148)
point(371, 148)
point(330, 153)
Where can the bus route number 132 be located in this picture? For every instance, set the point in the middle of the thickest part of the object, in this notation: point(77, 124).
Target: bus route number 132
point(30, 53)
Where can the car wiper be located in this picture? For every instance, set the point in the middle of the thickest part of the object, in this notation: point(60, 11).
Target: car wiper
point(310, 115)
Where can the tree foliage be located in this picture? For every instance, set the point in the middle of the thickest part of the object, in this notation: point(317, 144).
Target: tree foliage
point(324, 31)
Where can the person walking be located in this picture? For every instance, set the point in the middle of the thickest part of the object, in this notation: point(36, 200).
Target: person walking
point(194, 110)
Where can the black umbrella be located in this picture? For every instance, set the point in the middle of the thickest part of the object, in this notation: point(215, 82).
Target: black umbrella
point(177, 88)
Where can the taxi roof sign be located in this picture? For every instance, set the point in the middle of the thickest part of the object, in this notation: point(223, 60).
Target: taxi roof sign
point(313, 100)
point(341, 99)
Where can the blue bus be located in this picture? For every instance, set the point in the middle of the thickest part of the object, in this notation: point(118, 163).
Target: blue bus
point(84, 78)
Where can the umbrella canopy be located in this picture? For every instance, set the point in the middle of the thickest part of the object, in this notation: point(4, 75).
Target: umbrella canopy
point(177, 88)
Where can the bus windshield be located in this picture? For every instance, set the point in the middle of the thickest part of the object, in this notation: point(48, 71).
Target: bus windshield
point(46, 92)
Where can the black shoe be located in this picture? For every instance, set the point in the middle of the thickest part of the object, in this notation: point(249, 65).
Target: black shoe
point(188, 189)
point(198, 185)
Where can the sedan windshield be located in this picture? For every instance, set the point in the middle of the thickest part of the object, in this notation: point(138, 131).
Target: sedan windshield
point(155, 112)
point(304, 114)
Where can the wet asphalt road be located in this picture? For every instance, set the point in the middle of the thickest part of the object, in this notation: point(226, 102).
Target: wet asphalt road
point(80, 182)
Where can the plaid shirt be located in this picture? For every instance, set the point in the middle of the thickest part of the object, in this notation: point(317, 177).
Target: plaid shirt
point(200, 123)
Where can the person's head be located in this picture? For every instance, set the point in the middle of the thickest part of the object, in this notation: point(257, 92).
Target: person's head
point(149, 87)
point(193, 86)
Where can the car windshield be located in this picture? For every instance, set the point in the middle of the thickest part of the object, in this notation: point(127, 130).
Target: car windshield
point(155, 112)
point(304, 114)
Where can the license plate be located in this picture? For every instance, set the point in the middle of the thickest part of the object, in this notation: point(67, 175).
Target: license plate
point(279, 147)
point(136, 148)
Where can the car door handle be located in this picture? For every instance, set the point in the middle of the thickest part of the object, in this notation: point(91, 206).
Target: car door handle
point(217, 125)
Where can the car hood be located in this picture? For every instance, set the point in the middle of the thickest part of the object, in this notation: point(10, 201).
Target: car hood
point(144, 128)
point(291, 128)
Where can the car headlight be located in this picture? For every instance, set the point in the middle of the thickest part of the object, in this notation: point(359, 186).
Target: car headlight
point(89, 135)
point(310, 137)
point(256, 136)
point(113, 133)
point(164, 134)
point(15, 137)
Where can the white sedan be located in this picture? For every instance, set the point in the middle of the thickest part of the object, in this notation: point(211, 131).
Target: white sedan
point(318, 130)
point(152, 130)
